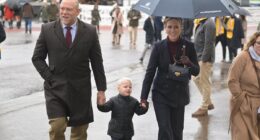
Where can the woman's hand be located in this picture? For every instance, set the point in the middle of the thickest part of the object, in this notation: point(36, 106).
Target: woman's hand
point(185, 60)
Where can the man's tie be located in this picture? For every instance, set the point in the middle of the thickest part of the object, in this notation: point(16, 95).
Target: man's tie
point(68, 36)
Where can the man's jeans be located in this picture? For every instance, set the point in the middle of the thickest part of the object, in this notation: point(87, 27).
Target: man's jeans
point(28, 24)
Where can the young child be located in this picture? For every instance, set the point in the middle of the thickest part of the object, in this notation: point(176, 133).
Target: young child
point(123, 107)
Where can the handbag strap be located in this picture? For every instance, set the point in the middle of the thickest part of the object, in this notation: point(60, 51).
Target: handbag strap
point(258, 78)
point(178, 51)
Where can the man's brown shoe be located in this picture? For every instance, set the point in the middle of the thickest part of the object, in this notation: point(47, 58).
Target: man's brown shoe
point(200, 112)
point(210, 107)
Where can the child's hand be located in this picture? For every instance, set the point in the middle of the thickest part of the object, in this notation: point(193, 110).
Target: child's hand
point(144, 104)
point(101, 101)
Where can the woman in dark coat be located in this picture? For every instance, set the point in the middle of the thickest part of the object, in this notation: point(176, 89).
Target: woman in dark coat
point(149, 35)
point(170, 96)
point(149, 30)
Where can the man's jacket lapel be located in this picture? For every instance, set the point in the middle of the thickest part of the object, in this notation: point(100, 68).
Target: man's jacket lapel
point(59, 32)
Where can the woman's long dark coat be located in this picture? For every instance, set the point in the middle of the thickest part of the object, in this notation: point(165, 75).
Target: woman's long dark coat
point(149, 31)
point(165, 90)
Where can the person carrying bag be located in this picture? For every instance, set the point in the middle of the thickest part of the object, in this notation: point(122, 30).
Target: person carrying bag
point(168, 72)
point(177, 72)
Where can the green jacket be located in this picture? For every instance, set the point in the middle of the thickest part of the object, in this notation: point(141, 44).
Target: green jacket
point(53, 11)
point(133, 16)
point(44, 13)
point(95, 17)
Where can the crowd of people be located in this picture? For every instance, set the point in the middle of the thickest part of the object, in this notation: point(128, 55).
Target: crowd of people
point(16, 12)
point(9, 15)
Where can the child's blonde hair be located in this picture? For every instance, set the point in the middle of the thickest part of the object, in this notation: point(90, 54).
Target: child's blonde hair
point(121, 80)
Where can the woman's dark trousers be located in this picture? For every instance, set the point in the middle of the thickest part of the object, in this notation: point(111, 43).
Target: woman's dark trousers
point(112, 138)
point(170, 121)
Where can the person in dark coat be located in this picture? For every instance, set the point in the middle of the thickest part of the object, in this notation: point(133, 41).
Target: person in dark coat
point(67, 74)
point(235, 41)
point(187, 28)
point(2, 35)
point(149, 35)
point(95, 17)
point(221, 35)
point(158, 25)
point(149, 30)
point(17, 16)
point(170, 96)
point(123, 107)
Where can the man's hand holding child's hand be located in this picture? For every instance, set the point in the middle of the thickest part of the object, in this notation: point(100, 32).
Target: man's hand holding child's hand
point(101, 98)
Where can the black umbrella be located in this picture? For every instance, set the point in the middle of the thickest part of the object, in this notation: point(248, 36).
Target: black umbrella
point(187, 8)
point(242, 11)
point(16, 3)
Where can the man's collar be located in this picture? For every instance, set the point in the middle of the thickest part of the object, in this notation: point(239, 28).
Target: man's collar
point(73, 26)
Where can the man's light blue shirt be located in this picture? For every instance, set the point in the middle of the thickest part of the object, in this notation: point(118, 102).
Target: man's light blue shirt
point(73, 30)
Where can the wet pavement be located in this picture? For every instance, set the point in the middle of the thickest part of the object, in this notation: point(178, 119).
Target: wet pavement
point(22, 105)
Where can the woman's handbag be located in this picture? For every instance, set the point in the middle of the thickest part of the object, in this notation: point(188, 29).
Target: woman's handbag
point(178, 73)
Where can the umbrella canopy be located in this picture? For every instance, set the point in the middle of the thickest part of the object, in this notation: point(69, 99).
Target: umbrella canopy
point(16, 3)
point(242, 11)
point(187, 8)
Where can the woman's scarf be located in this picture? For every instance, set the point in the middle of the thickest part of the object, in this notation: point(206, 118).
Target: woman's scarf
point(253, 54)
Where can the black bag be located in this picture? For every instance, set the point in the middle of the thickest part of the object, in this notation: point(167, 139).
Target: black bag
point(177, 72)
